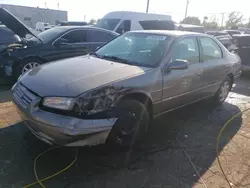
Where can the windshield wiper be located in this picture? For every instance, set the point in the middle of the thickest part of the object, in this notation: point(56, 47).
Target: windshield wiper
point(118, 59)
point(95, 54)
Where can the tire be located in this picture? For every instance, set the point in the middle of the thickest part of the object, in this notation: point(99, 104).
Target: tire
point(223, 91)
point(131, 125)
point(26, 65)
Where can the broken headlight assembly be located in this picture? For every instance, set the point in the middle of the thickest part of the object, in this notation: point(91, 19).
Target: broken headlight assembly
point(97, 101)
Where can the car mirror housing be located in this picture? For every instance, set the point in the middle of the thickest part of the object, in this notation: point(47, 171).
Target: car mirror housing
point(178, 64)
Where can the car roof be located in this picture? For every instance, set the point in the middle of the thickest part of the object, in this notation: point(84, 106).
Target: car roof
point(85, 27)
point(169, 32)
point(189, 26)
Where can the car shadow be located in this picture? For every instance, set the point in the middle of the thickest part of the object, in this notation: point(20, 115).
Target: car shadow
point(5, 93)
point(242, 86)
point(159, 162)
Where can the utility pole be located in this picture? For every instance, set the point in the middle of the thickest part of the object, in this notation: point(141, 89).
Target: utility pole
point(147, 6)
point(222, 18)
point(186, 8)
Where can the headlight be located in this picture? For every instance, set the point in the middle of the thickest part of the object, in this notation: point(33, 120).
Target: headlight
point(61, 103)
point(96, 101)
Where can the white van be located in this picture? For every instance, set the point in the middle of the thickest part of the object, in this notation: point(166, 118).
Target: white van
point(42, 26)
point(122, 21)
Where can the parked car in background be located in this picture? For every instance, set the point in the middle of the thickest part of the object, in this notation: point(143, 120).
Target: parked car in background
point(66, 23)
point(42, 26)
point(242, 48)
point(7, 37)
point(190, 28)
point(111, 95)
point(223, 37)
point(123, 21)
point(232, 32)
point(53, 44)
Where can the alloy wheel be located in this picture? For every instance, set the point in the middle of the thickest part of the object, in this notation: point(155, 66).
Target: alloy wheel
point(225, 88)
point(29, 66)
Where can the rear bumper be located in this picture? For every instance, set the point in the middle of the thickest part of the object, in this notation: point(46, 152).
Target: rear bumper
point(57, 129)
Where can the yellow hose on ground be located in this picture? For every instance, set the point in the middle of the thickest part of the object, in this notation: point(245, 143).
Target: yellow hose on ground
point(67, 167)
point(218, 140)
point(53, 175)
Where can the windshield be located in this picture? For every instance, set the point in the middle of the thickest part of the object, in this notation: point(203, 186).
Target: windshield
point(108, 24)
point(51, 34)
point(140, 49)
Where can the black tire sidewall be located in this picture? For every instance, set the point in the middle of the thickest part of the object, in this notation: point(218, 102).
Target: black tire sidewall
point(141, 123)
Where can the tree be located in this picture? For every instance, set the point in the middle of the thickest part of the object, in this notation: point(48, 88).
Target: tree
point(191, 20)
point(234, 20)
point(205, 20)
point(212, 23)
point(92, 21)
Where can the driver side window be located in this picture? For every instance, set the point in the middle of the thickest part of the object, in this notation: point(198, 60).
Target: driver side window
point(186, 49)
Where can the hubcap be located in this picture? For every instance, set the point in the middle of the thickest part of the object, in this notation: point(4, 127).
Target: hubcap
point(29, 66)
point(225, 88)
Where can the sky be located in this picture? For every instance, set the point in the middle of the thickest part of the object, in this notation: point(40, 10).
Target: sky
point(78, 10)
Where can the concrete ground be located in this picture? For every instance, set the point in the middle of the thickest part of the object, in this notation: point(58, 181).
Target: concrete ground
point(179, 151)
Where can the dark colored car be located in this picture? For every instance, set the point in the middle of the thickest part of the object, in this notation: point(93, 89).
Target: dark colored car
point(222, 36)
point(7, 36)
point(111, 94)
point(242, 48)
point(232, 32)
point(70, 23)
point(53, 44)
point(190, 28)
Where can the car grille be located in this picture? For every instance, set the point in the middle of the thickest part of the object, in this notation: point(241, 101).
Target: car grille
point(23, 96)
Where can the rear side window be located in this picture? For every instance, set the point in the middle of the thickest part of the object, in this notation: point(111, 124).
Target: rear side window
point(124, 27)
point(186, 49)
point(211, 50)
point(98, 36)
point(76, 36)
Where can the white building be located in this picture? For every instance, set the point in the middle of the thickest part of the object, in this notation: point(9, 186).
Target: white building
point(31, 15)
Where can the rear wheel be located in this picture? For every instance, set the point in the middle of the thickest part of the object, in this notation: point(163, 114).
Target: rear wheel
point(223, 92)
point(131, 126)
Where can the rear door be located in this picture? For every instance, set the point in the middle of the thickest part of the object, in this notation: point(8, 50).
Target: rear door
point(214, 64)
point(181, 87)
point(97, 38)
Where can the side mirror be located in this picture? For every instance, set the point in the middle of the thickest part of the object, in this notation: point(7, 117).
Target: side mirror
point(178, 64)
point(61, 42)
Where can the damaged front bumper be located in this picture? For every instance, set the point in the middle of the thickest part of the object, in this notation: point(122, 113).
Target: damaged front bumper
point(56, 129)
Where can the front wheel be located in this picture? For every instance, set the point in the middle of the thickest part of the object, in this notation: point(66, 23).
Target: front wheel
point(131, 125)
point(26, 65)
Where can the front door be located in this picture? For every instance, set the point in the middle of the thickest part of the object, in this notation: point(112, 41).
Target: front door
point(180, 86)
point(70, 45)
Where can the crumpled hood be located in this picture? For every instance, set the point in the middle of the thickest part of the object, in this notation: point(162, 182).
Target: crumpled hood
point(74, 76)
